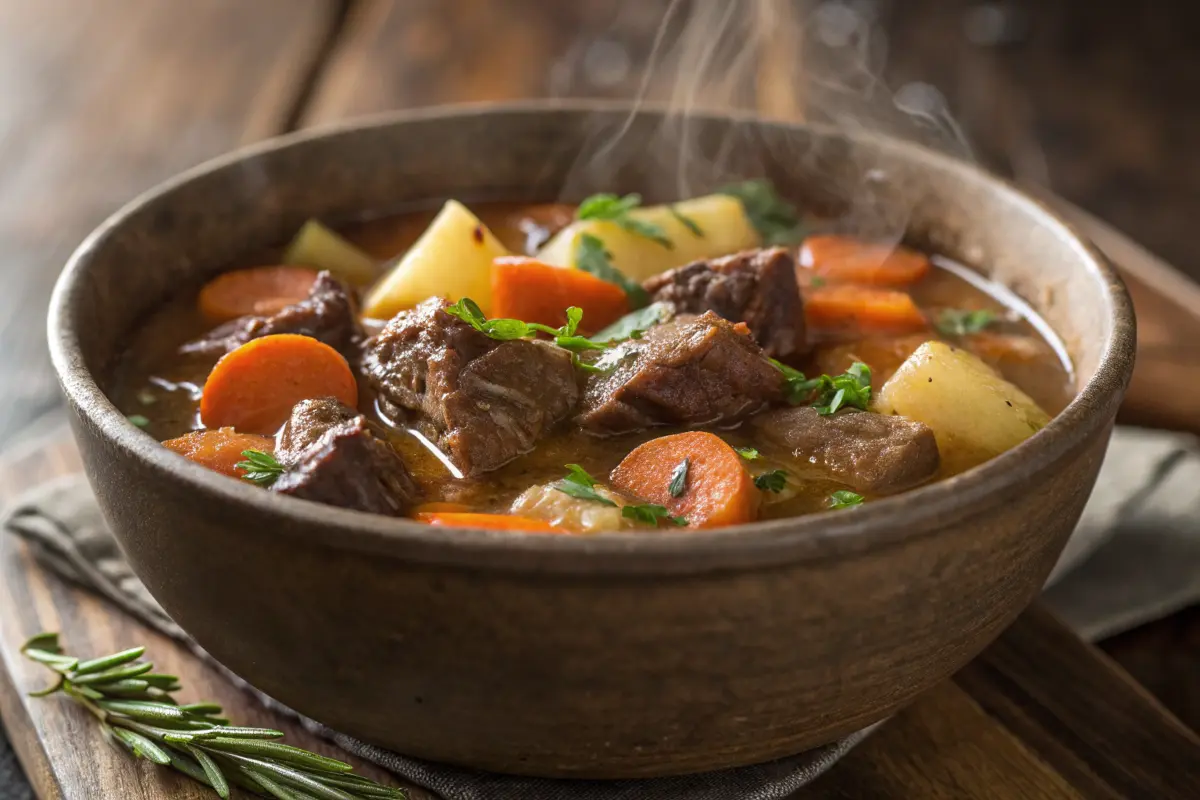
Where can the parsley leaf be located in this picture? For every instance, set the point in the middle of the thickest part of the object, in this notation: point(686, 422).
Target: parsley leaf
point(775, 219)
point(816, 281)
point(679, 478)
point(828, 394)
point(748, 453)
point(686, 221)
point(633, 324)
point(580, 484)
point(260, 468)
point(651, 514)
point(845, 499)
point(958, 322)
point(139, 420)
point(610, 208)
point(773, 481)
point(591, 257)
point(506, 330)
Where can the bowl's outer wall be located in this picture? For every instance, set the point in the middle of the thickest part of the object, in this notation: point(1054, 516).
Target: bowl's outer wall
point(588, 675)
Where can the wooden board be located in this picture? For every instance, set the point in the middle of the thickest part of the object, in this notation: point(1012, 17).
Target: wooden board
point(1039, 715)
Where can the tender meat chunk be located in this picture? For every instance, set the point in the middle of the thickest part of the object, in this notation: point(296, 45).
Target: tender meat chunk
point(328, 314)
point(757, 287)
point(484, 402)
point(333, 457)
point(691, 372)
point(874, 453)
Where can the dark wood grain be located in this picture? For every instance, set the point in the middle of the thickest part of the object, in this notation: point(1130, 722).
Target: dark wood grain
point(102, 101)
point(1039, 715)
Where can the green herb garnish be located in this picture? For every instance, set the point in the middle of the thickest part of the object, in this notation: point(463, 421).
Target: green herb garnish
point(591, 257)
point(828, 394)
point(773, 481)
point(651, 514)
point(775, 219)
point(580, 484)
point(136, 711)
point(635, 323)
point(138, 420)
point(816, 281)
point(260, 468)
point(506, 330)
point(610, 208)
point(845, 499)
point(748, 453)
point(679, 478)
point(959, 322)
point(686, 221)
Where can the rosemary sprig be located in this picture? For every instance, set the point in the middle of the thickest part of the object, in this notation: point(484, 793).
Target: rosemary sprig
point(136, 711)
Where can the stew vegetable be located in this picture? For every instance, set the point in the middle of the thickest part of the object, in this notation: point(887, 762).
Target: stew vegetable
point(561, 369)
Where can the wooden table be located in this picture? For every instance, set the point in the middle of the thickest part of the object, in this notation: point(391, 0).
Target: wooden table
point(105, 100)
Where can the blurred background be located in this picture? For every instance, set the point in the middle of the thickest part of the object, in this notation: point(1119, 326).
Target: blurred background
point(1099, 102)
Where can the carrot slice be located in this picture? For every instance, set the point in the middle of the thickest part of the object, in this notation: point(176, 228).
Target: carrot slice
point(841, 259)
point(527, 289)
point(717, 489)
point(219, 450)
point(498, 522)
point(257, 290)
point(254, 387)
point(861, 309)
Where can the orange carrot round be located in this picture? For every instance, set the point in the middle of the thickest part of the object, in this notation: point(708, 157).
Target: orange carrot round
point(254, 387)
point(220, 450)
point(716, 491)
point(862, 310)
point(527, 289)
point(840, 259)
point(499, 522)
point(257, 290)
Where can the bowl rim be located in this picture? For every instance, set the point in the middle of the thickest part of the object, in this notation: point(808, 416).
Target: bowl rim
point(808, 538)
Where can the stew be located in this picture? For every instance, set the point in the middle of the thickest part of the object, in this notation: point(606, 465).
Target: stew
point(563, 369)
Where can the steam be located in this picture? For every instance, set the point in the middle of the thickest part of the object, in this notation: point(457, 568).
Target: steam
point(777, 59)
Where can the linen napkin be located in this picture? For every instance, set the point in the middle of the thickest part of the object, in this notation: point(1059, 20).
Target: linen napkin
point(1135, 556)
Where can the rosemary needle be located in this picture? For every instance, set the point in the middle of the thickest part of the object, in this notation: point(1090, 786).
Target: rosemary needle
point(135, 709)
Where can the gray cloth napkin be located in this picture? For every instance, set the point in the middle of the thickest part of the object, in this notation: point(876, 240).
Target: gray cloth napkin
point(1135, 556)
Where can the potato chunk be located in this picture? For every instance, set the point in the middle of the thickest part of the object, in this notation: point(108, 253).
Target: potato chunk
point(452, 259)
point(574, 514)
point(720, 219)
point(974, 413)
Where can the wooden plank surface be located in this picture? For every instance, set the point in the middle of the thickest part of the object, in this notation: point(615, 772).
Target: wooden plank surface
point(1039, 715)
point(102, 101)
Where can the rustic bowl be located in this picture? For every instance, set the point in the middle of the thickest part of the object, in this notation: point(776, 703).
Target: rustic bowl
point(616, 655)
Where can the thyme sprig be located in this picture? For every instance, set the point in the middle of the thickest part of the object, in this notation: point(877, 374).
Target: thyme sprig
point(135, 709)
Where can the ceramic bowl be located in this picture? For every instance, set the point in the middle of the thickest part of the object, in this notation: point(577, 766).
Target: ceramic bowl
point(617, 655)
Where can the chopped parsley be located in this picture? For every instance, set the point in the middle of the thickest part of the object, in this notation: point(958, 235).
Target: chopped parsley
point(139, 420)
point(775, 219)
point(773, 481)
point(610, 208)
point(828, 394)
point(591, 257)
point(260, 468)
point(816, 281)
point(686, 221)
point(679, 478)
point(959, 322)
point(635, 323)
point(748, 453)
point(506, 330)
point(580, 484)
point(845, 499)
point(651, 514)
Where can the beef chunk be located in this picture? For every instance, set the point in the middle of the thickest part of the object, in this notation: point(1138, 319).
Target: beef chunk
point(757, 287)
point(333, 457)
point(484, 402)
point(874, 453)
point(691, 372)
point(328, 314)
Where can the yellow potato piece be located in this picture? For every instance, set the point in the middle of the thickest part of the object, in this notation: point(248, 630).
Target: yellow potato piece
point(320, 248)
point(720, 218)
point(452, 259)
point(974, 413)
